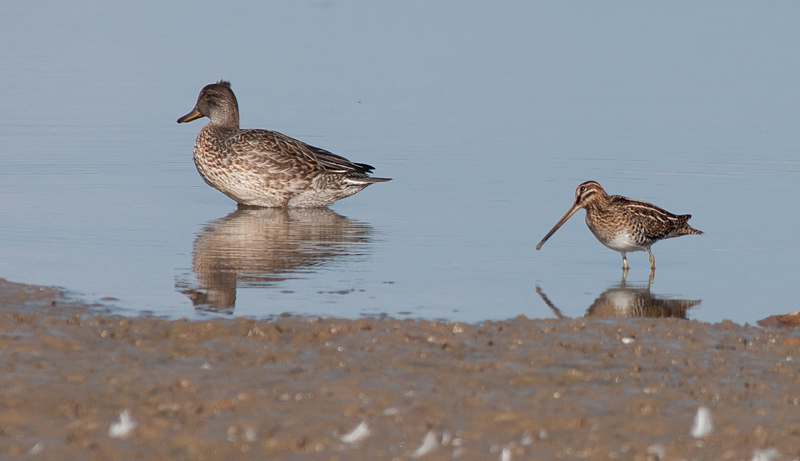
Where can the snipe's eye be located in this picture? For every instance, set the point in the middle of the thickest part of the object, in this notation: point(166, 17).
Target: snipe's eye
point(583, 189)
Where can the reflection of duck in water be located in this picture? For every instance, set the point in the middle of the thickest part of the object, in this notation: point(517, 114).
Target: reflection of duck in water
point(625, 301)
point(257, 247)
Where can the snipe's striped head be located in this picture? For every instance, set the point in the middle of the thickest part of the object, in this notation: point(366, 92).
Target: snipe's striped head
point(586, 194)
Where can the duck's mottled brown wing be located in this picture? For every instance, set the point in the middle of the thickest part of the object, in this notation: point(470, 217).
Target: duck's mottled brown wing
point(266, 147)
point(271, 152)
point(336, 163)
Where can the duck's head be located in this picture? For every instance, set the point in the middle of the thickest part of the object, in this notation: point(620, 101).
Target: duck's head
point(217, 102)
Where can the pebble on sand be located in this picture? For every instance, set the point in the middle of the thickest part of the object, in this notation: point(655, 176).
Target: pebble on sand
point(702, 423)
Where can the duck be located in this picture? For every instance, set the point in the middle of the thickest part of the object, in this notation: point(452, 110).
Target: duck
point(263, 168)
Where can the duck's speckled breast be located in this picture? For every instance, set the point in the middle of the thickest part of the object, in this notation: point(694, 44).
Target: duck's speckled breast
point(244, 172)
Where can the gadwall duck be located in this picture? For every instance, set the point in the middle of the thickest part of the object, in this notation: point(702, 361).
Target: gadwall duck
point(266, 168)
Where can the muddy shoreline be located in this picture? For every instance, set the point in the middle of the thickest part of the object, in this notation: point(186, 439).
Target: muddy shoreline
point(313, 388)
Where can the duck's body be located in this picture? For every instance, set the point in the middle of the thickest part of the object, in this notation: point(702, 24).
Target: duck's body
point(265, 168)
point(624, 224)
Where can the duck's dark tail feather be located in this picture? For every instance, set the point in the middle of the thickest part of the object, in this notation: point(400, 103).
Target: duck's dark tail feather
point(364, 179)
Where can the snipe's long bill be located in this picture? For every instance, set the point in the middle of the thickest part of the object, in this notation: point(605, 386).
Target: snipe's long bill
point(624, 224)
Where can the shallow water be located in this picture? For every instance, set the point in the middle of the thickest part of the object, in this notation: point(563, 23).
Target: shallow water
point(486, 116)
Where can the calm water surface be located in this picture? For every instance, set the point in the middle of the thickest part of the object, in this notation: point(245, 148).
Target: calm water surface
point(486, 116)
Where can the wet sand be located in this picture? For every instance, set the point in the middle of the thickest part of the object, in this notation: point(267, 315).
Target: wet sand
point(296, 387)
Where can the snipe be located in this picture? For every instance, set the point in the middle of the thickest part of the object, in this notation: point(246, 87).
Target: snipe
point(265, 168)
point(624, 224)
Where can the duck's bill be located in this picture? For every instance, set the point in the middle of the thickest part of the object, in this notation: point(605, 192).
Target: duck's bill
point(193, 115)
point(558, 224)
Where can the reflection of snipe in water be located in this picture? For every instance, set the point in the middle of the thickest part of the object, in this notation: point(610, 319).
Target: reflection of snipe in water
point(259, 247)
point(626, 301)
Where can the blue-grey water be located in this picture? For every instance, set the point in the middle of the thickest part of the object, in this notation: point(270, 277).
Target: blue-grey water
point(486, 114)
